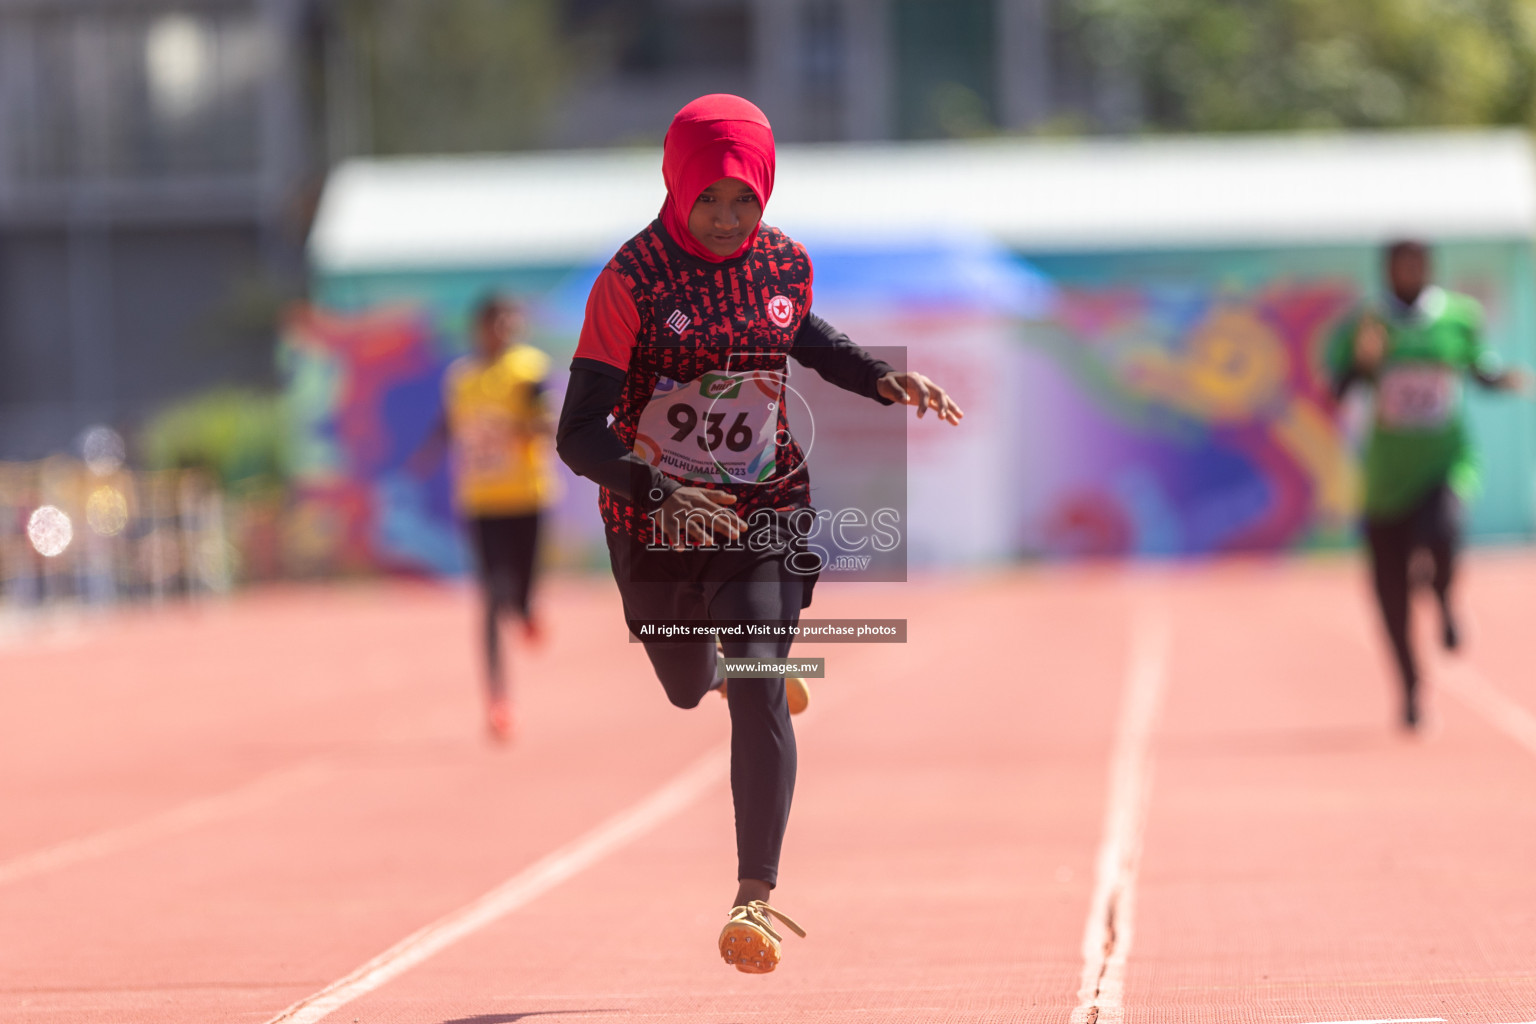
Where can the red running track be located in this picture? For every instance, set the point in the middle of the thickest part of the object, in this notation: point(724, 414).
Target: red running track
point(1170, 794)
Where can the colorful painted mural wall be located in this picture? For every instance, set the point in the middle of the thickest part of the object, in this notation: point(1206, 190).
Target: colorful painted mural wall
point(1162, 422)
point(1175, 404)
point(362, 395)
point(1161, 404)
point(370, 488)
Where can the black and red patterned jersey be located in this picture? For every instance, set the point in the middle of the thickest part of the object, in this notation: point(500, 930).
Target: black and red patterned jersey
point(658, 312)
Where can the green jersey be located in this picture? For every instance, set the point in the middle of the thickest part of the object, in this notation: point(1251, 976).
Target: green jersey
point(1419, 438)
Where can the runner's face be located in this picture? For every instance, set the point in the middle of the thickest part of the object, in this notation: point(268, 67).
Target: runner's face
point(497, 331)
point(1408, 273)
point(725, 215)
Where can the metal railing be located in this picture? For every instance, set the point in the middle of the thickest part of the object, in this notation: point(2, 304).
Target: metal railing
point(71, 533)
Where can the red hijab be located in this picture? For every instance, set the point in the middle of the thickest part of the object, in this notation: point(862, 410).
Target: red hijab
point(716, 136)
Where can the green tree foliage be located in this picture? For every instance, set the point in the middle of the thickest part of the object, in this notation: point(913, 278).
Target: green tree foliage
point(236, 435)
point(446, 76)
point(1228, 65)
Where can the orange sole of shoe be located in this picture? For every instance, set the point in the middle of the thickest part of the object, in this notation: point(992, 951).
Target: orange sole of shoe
point(797, 694)
point(748, 950)
point(500, 723)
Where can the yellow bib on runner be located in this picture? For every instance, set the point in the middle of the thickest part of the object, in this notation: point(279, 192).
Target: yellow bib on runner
point(502, 466)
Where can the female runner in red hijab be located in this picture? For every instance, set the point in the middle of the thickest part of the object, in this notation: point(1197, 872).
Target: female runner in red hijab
point(704, 493)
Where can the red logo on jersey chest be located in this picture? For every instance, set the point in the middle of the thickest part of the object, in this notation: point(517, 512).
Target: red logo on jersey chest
point(781, 310)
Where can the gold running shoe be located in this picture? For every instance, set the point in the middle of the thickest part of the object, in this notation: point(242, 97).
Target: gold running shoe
point(749, 941)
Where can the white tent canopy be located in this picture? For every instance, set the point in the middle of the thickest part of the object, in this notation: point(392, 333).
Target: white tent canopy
point(1037, 195)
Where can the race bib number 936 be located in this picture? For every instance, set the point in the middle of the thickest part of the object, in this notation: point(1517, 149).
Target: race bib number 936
point(719, 428)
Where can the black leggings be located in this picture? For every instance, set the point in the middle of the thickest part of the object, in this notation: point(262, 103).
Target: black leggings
point(763, 755)
point(1434, 525)
point(505, 551)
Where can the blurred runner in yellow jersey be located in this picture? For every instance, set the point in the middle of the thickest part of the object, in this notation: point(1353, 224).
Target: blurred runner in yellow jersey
point(502, 468)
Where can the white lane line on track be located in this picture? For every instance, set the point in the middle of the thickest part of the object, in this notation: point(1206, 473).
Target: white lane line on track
point(1112, 910)
point(178, 819)
point(20, 630)
point(1384, 1020)
point(517, 891)
point(1504, 712)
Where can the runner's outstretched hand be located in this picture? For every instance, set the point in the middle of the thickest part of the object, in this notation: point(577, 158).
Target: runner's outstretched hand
point(915, 389)
point(1519, 381)
point(1370, 344)
point(698, 514)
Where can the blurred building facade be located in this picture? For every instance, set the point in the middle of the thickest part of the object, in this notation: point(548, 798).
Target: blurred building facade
point(159, 158)
point(839, 70)
point(151, 154)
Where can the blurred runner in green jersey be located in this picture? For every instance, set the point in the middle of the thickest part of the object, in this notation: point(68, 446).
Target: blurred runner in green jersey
point(1416, 350)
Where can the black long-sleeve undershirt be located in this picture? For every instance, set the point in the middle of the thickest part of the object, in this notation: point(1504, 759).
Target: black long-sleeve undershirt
point(586, 443)
point(837, 360)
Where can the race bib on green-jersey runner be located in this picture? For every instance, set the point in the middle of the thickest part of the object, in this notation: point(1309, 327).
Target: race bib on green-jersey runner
point(1417, 396)
point(719, 428)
